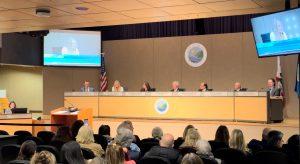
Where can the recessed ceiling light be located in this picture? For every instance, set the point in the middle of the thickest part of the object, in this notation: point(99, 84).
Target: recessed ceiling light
point(43, 12)
point(81, 8)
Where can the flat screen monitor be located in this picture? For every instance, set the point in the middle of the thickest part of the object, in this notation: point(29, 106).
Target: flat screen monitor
point(277, 34)
point(18, 110)
point(72, 48)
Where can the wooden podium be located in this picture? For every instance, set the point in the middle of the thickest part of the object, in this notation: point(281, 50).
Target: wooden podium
point(66, 118)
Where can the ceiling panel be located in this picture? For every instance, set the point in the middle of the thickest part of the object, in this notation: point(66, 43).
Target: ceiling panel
point(122, 5)
point(232, 5)
point(210, 1)
point(92, 9)
point(265, 3)
point(54, 12)
point(144, 13)
point(105, 16)
point(186, 9)
point(165, 3)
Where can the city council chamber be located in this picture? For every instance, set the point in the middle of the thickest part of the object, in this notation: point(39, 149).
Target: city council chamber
point(149, 81)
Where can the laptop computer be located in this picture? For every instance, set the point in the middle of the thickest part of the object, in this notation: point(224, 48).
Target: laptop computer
point(19, 110)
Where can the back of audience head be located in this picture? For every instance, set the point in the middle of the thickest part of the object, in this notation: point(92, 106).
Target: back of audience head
point(192, 136)
point(85, 135)
point(104, 130)
point(126, 124)
point(222, 134)
point(294, 140)
point(43, 157)
point(124, 137)
point(71, 153)
point(115, 154)
point(186, 130)
point(157, 133)
point(75, 127)
point(63, 133)
point(275, 139)
point(167, 140)
point(237, 140)
point(27, 150)
point(191, 158)
point(265, 134)
point(203, 147)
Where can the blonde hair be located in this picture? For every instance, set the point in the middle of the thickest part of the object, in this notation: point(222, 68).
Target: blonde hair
point(85, 135)
point(237, 140)
point(192, 136)
point(43, 157)
point(114, 154)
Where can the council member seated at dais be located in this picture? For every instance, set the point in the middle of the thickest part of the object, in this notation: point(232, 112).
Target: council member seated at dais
point(12, 105)
point(86, 87)
point(117, 87)
point(175, 87)
point(238, 87)
point(146, 87)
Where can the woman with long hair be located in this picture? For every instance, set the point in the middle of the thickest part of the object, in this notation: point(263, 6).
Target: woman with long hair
point(237, 140)
point(71, 153)
point(115, 154)
point(27, 150)
point(192, 136)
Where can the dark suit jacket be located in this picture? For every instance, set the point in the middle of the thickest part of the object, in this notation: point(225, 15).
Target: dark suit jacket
point(274, 91)
point(178, 90)
point(168, 153)
point(241, 90)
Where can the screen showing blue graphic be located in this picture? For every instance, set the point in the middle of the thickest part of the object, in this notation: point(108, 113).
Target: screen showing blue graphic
point(277, 34)
point(72, 48)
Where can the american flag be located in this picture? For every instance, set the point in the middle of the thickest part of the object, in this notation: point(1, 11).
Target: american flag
point(103, 77)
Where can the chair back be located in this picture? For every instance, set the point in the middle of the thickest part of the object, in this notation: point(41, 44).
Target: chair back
point(45, 136)
point(19, 162)
point(231, 156)
point(57, 144)
point(87, 153)
point(37, 140)
point(154, 160)
point(273, 157)
point(215, 145)
point(22, 135)
point(185, 150)
point(209, 161)
point(147, 144)
point(3, 132)
point(9, 152)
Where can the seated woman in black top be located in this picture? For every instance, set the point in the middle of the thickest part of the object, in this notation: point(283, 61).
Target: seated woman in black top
point(146, 87)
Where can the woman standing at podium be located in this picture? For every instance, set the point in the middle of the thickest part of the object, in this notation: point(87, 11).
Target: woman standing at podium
point(117, 87)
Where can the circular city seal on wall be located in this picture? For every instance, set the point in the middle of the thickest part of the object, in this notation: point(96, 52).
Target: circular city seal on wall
point(161, 106)
point(195, 55)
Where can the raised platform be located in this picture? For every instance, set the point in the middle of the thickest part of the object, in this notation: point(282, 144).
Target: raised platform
point(207, 129)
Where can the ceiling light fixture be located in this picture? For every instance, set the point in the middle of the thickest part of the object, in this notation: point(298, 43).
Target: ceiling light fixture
point(43, 12)
point(81, 8)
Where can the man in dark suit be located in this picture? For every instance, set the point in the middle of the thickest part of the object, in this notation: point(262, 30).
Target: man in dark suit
point(238, 87)
point(86, 87)
point(175, 87)
point(165, 150)
point(273, 91)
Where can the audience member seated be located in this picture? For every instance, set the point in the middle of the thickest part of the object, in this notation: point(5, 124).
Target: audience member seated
point(63, 134)
point(117, 87)
point(165, 150)
point(71, 153)
point(75, 128)
point(221, 139)
point(85, 138)
point(27, 150)
point(180, 140)
point(275, 141)
point(191, 158)
point(103, 138)
point(175, 87)
point(43, 157)
point(146, 87)
point(46, 136)
point(256, 145)
point(188, 146)
point(204, 151)
point(115, 154)
point(237, 141)
point(128, 125)
point(125, 138)
point(148, 143)
point(292, 148)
